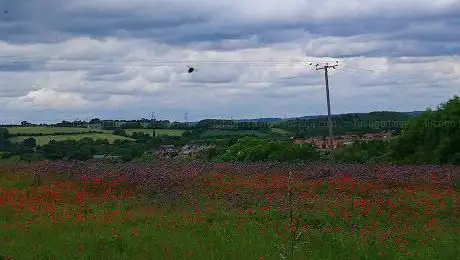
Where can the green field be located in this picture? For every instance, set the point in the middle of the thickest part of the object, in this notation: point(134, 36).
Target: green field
point(49, 130)
point(280, 131)
point(104, 134)
point(158, 132)
point(42, 140)
point(213, 133)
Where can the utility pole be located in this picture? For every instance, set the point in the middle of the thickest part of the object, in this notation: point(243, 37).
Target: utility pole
point(152, 121)
point(1, 139)
point(153, 133)
point(329, 116)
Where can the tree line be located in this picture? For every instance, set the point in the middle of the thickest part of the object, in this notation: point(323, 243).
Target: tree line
point(432, 137)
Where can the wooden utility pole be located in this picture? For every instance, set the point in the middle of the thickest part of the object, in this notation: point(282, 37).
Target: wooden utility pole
point(1, 139)
point(329, 116)
point(152, 122)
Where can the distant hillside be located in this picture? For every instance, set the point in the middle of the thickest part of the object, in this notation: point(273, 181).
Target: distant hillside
point(414, 113)
point(137, 124)
point(276, 119)
point(267, 119)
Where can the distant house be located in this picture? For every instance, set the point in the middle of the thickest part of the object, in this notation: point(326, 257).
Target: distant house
point(350, 138)
point(107, 157)
point(319, 142)
point(340, 141)
point(99, 157)
point(167, 151)
point(170, 151)
point(376, 136)
point(324, 143)
point(192, 150)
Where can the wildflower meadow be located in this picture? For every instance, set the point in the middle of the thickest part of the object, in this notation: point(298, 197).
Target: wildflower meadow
point(203, 210)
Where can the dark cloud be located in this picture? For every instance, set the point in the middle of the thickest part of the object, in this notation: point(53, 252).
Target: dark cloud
point(182, 23)
point(15, 66)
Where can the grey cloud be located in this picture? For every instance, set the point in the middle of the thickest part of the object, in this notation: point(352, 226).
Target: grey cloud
point(107, 74)
point(104, 72)
point(15, 66)
point(299, 81)
point(182, 22)
point(95, 97)
point(216, 75)
point(12, 92)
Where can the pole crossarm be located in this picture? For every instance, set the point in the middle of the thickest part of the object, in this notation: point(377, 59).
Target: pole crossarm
point(325, 67)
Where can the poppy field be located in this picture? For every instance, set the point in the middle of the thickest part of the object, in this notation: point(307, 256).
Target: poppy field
point(203, 210)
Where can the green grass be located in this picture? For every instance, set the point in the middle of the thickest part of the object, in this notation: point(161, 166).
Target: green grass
point(48, 130)
point(281, 131)
point(216, 133)
point(158, 132)
point(42, 140)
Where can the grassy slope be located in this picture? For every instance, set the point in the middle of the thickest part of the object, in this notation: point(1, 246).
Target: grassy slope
point(213, 133)
point(106, 134)
point(158, 132)
point(48, 130)
point(42, 140)
point(281, 131)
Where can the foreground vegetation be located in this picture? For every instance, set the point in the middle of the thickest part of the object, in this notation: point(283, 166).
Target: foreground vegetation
point(200, 210)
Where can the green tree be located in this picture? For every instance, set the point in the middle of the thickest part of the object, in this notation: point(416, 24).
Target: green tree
point(4, 135)
point(31, 157)
point(30, 143)
point(119, 131)
point(433, 137)
point(258, 149)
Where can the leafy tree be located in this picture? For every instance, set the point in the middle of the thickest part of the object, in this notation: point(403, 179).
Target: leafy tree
point(255, 149)
point(362, 152)
point(81, 154)
point(30, 143)
point(141, 137)
point(31, 157)
point(4, 135)
point(132, 125)
point(347, 123)
point(119, 131)
point(95, 121)
point(433, 137)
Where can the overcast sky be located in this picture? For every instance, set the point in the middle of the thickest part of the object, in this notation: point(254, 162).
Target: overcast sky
point(74, 59)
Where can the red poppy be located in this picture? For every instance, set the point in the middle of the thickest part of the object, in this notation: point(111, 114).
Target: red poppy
point(135, 232)
point(266, 208)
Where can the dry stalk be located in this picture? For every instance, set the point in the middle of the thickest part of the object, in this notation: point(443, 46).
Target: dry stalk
point(294, 234)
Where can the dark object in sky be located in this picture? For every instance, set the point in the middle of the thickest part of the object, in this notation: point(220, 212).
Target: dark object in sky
point(5, 12)
point(190, 69)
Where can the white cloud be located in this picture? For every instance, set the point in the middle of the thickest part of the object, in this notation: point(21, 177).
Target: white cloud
point(49, 98)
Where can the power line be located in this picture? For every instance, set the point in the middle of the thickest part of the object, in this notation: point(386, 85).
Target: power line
point(380, 75)
point(173, 61)
point(132, 62)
